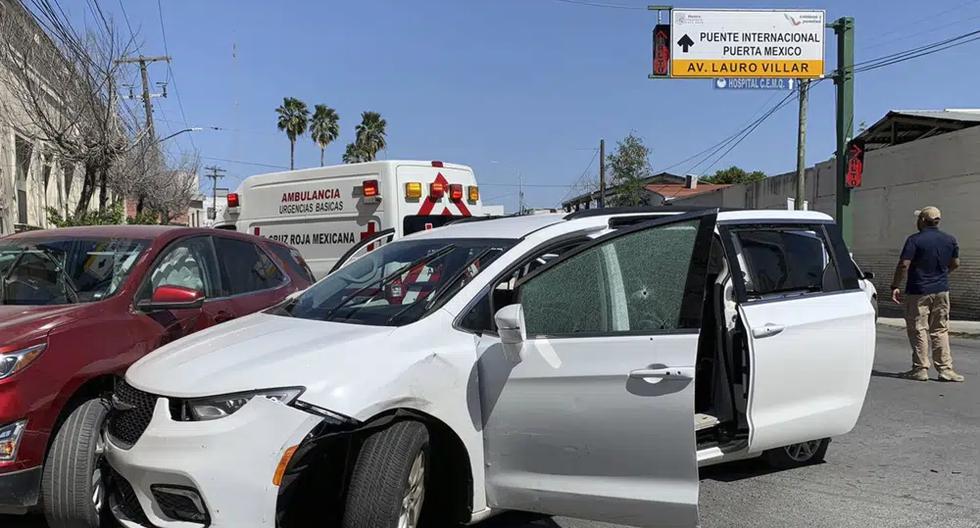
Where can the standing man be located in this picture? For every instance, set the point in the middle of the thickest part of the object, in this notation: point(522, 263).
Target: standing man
point(927, 259)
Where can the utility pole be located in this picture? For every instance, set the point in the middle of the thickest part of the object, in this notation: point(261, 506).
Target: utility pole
point(214, 176)
point(602, 173)
point(520, 193)
point(844, 80)
point(801, 147)
point(147, 101)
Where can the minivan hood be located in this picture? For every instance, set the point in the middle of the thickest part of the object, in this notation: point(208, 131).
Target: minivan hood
point(259, 351)
point(26, 323)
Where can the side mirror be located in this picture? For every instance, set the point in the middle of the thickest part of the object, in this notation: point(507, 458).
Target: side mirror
point(869, 275)
point(172, 297)
point(508, 321)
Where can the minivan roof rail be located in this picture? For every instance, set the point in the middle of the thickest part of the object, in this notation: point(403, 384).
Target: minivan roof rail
point(606, 211)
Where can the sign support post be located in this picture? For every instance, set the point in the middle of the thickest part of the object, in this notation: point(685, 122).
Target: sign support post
point(844, 80)
point(801, 147)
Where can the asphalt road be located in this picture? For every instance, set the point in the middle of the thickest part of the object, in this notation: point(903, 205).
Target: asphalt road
point(912, 461)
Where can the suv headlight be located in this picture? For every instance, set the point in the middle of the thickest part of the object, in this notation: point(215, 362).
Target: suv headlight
point(16, 361)
point(214, 407)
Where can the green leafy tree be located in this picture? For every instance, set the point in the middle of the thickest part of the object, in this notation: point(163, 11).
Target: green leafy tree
point(354, 154)
point(733, 175)
point(111, 215)
point(324, 127)
point(293, 118)
point(629, 165)
point(371, 135)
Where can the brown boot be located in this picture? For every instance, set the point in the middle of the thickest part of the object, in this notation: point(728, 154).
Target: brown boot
point(917, 374)
point(950, 375)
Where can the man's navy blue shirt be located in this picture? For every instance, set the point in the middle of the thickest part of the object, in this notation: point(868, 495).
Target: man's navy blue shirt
point(930, 251)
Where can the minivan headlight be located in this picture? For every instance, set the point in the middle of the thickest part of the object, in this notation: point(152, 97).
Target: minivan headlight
point(16, 361)
point(215, 407)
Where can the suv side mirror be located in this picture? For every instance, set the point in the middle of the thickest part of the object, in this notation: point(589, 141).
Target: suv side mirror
point(171, 297)
point(869, 275)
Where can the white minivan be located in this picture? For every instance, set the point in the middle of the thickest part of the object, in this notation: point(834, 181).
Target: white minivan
point(324, 212)
point(583, 365)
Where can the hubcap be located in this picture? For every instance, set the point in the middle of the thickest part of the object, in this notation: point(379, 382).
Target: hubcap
point(414, 494)
point(804, 451)
point(98, 483)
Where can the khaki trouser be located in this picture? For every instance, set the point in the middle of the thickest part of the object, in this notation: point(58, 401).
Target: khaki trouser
point(928, 315)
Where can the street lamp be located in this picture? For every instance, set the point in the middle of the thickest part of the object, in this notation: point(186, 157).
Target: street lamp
point(192, 129)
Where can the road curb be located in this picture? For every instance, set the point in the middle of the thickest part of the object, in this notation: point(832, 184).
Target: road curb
point(956, 328)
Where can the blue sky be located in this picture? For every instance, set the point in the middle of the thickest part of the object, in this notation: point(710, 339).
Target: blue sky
point(507, 86)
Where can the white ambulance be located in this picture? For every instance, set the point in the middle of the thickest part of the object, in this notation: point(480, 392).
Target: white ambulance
point(327, 212)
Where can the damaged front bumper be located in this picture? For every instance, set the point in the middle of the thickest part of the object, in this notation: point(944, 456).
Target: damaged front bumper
point(217, 473)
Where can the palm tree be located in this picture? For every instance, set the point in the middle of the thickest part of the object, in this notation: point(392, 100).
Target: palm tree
point(324, 127)
point(371, 134)
point(355, 154)
point(293, 117)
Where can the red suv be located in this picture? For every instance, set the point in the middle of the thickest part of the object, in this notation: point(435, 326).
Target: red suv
point(77, 307)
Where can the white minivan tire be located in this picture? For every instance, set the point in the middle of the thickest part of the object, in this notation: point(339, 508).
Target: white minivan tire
point(73, 486)
point(390, 477)
point(797, 455)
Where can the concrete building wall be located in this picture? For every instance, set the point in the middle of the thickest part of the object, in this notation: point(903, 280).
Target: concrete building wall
point(942, 170)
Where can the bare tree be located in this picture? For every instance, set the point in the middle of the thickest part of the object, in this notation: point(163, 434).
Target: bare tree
point(164, 191)
point(60, 88)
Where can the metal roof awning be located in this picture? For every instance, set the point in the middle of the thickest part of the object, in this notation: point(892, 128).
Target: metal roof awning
point(903, 126)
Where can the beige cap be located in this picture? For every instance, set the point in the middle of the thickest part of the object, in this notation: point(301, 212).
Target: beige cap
point(929, 214)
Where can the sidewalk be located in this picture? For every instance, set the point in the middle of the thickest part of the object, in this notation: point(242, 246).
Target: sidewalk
point(959, 328)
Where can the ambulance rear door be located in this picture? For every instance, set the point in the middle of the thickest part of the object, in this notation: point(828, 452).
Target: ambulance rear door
point(431, 195)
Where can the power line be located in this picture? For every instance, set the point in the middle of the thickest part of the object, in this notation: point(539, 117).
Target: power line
point(571, 188)
point(170, 71)
point(912, 51)
point(600, 4)
point(916, 53)
point(918, 22)
point(241, 162)
point(725, 140)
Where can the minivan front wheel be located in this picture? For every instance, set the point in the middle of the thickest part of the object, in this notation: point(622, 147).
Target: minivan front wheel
point(73, 486)
point(390, 478)
point(797, 455)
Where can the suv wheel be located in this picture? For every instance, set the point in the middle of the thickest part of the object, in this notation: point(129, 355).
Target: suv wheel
point(797, 455)
point(388, 485)
point(73, 486)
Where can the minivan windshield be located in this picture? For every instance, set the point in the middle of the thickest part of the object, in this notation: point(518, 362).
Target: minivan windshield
point(61, 270)
point(398, 283)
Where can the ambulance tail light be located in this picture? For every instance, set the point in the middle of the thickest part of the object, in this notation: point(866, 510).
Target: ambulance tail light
point(413, 190)
point(437, 190)
point(455, 192)
point(370, 189)
point(438, 164)
point(474, 193)
point(233, 200)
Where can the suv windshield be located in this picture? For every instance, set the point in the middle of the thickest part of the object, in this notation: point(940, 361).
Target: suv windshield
point(42, 271)
point(398, 283)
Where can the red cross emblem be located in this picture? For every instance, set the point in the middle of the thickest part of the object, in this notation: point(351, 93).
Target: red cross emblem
point(368, 232)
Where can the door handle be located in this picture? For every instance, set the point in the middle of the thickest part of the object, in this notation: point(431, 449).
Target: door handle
point(676, 373)
point(768, 330)
point(222, 317)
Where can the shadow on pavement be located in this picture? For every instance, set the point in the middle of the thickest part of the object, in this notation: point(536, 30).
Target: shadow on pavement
point(519, 520)
point(883, 374)
point(736, 471)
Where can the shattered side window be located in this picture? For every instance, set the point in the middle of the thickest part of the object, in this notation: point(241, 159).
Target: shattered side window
point(633, 283)
point(569, 299)
point(654, 264)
